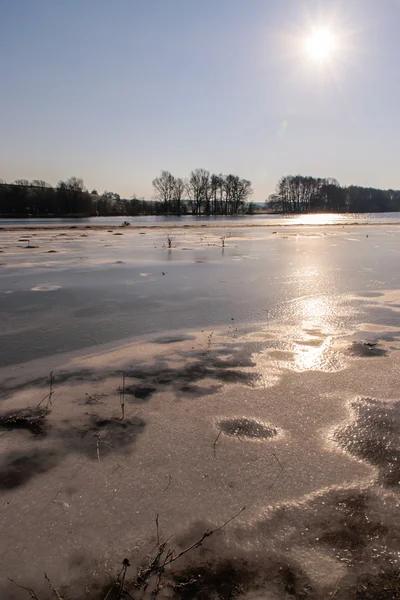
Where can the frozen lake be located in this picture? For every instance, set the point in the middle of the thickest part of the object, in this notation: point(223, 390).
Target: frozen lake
point(87, 288)
point(191, 221)
point(240, 367)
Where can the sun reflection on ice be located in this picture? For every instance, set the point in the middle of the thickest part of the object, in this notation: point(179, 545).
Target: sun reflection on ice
point(306, 342)
point(309, 357)
point(318, 219)
point(313, 349)
point(315, 311)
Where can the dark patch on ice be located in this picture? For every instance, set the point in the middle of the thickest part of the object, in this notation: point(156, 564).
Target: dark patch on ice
point(351, 529)
point(383, 585)
point(224, 365)
point(191, 373)
point(365, 350)
point(242, 427)
point(58, 379)
point(230, 376)
point(274, 556)
point(141, 392)
point(374, 436)
point(213, 360)
point(17, 468)
point(382, 315)
point(371, 294)
point(198, 390)
point(207, 365)
point(31, 419)
point(226, 579)
point(173, 339)
point(97, 437)
point(109, 435)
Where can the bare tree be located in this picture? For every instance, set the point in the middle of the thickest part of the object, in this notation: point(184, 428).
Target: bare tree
point(214, 185)
point(40, 183)
point(164, 187)
point(111, 196)
point(75, 184)
point(198, 189)
point(229, 185)
point(179, 189)
point(242, 193)
point(73, 196)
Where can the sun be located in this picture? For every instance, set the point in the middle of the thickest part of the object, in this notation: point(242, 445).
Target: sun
point(321, 45)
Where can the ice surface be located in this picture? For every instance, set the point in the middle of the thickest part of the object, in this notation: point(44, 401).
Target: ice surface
point(280, 353)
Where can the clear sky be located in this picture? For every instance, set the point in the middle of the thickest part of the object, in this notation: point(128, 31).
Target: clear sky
point(116, 90)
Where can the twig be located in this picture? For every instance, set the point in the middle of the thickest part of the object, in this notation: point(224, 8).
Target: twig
point(110, 590)
point(168, 484)
point(158, 583)
point(53, 589)
point(160, 573)
point(51, 387)
point(215, 442)
point(121, 577)
point(48, 396)
point(336, 589)
point(183, 584)
point(279, 474)
point(122, 397)
point(104, 441)
point(209, 340)
point(158, 531)
point(23, 587)
point(65, 484)
point(120, 581)
point(156, 567)
point(91, 399)
point(277, 460)
point(57, 397)
point(205, 535)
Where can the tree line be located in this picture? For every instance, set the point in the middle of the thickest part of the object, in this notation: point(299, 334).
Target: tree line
point(35, 198)
point(201, 193)
point(299, 194)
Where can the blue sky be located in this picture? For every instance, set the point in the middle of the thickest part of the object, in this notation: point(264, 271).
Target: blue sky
point(115, 91)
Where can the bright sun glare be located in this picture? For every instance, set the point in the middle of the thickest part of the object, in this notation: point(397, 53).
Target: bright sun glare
point(321, 45)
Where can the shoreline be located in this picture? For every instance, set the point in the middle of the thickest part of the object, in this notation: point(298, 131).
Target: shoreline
point(302, 226)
